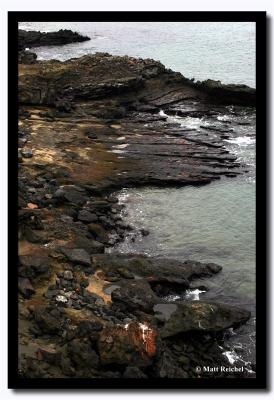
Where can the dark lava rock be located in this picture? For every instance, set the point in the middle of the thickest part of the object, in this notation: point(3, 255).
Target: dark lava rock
point(77, 256)
point(37, 39)
point(98, 232)
point(63, 105)
point(26, 57)
point(72, 194)
point(135, 295)
point(133, 343)
point(32, 265)
point(82, 354)
point(156, 270)
point(86, 216)
point(90, 245)
point(167, 367)
point(49, 354)
point(203, 317)
point(134, 373)
point(25, 287)
point(47, 322)
point(90, 329)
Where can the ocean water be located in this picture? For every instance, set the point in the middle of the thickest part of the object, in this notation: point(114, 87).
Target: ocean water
point(212, 223)
point(202, 50)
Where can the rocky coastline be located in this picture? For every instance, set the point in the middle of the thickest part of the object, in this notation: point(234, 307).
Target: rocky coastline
point(89, 127)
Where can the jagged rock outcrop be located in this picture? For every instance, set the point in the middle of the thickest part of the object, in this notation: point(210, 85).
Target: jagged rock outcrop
point(28, 39)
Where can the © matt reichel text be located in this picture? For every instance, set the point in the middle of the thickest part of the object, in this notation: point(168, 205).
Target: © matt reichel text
point(221, 368)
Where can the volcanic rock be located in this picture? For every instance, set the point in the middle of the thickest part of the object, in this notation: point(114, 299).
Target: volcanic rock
point(203, 317)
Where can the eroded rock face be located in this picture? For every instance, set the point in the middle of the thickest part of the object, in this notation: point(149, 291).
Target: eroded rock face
point(102, 75)
point(134, 343)
point(203, 317)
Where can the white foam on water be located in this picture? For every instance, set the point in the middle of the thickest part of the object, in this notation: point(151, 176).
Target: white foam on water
point(193, 294)
point(185, 122)
point(117, 151)
point(121, 146)
point(231, 356)
point(172, 297)
point(241, 140)
point(224, 118)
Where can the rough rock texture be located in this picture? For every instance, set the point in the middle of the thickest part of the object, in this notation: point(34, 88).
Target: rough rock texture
point(130, 344)
point(203, 317)
point(154, 270)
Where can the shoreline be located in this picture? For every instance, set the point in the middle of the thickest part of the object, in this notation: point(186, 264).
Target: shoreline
point(88, 127)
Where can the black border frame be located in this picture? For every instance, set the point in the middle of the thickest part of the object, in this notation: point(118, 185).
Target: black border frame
point(259, 17)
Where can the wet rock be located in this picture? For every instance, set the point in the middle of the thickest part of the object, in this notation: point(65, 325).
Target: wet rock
point(25, 287)
point(77, 256)
point(203, 317)
point(130, 344)
point(134, 373)
point(87, 216)
point(135, 295)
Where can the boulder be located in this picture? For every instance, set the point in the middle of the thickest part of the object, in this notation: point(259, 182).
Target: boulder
point(46, 320)
point(77, 256)
point(135, 295)
point(206, 317)
point(82, 354)
point(25, 287)
point(32, 265)
point(98, 232)
point(86, 216)
point(133, 343)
